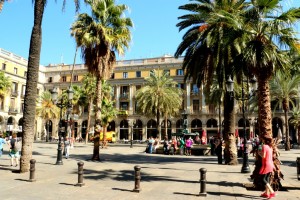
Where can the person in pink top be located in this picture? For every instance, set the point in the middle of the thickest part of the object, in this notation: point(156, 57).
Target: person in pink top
point(266, 152)
point(188, 146)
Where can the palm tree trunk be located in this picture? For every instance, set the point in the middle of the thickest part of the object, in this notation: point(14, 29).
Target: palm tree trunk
point(157, 122)
point(230, 151)
point(287, 135)
point(104, 130)
point(31, 85)
point(89, 119)
point(265, 130)
point(298, 128)
point(96, 151)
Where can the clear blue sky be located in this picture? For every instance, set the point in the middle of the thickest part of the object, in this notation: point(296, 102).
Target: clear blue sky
point(154, 34)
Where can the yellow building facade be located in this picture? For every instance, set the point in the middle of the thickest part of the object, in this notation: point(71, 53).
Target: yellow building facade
point(127, 77)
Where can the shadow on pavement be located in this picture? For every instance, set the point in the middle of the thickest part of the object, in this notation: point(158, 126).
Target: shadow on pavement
point(123, 190)
point(186, 194)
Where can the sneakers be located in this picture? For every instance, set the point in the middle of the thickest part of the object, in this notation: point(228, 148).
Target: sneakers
point(264, 195)
point(271, 195)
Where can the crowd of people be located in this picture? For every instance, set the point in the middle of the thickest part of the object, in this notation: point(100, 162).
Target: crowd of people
point(14, 147)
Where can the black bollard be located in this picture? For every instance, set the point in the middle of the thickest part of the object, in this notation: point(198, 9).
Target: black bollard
point(298, 168)
point(80, 174)
point(202, 182)
point(32, 170)
point(137, 177)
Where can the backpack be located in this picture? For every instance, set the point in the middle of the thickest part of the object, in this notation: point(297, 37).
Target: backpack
point(15, 145)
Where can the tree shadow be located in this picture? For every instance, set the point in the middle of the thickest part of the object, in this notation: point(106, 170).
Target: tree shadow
point(234, 195)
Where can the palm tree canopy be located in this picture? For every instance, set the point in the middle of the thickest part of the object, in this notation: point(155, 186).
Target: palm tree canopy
point(102, 33)
point(284, 89)
point(109, 112)
point(159, 93)
point(210, 43)
point(47, 110)
point(5, 84)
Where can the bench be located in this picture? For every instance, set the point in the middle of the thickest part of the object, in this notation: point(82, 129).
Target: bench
point(196, 150)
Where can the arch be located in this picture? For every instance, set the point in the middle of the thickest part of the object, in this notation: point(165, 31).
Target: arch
point(292, 132)
point(124, 130)
point(111, 126)
point(196, 126)
point(151, 128)
point(84, 128)
point(138, 130)
point(212, 123)
point(276, 125)
point(179, 126)
point(10, 125)
point(169, 128)
point(212, 128)
point(241, 127)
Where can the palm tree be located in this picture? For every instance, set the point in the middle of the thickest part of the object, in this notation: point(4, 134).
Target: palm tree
point(31, 82)
point(100, 35)
point(284, 91)
point(5, 85)
point(1, 4)
point(47, 110)
point(295, 120)
point(109, 112)
point(89, 93)
point(159, 95)
point(210, 46)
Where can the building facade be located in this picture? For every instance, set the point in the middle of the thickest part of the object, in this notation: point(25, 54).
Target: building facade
point(127, 77)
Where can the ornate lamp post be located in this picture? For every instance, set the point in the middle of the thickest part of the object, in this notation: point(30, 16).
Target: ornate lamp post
point(132, 124)
point(61, 104)
point(245, 97)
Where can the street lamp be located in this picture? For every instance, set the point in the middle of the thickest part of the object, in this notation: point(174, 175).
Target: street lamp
point(132, 123)
point(229, 87)
point(61, 104)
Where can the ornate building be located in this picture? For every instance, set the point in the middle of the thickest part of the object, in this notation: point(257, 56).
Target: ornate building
point(128, 76)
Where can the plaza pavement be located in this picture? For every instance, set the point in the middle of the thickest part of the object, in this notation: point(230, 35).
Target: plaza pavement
point(163, 176)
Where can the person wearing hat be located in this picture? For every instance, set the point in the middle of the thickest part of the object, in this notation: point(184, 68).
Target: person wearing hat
point(266, 152)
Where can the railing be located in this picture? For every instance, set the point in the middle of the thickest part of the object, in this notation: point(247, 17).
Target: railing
point(12, 110)
point(14, 93)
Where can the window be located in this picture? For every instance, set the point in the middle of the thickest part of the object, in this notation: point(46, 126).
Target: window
point(14, 87)
point(167, 71)
point(195, 89)
point(23, 90)
point(179, 72)
point(50, 80)
point(123, 105)
point(195, 105)
point(138, 74)
point(125, 74)
point(180, 85)
point(75, 78)
point(64, 79)
point(15, 70)
point(3, 66)
point(112, 76)
point(25, 74)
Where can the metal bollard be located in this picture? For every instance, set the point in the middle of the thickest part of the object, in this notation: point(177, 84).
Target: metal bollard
point(137, 177)
point(298, 167)
point(202, 182)
point(32, 170)
point(80, 174)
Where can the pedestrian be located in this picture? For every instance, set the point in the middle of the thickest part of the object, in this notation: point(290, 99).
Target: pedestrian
point(155, 144)
point(174, 146)
point(218, 150)
point(266, 152)
point(150, 144)
point(67, 145)
point(181, 145)
point(166, 146)
point(188, 146)
point(14, 150)
point(2, 141)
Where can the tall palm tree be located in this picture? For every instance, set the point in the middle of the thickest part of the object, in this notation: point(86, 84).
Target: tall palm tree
point(31, 83)
point(47, 110)
point(1, 4)
point(100, 35)
point(284, 91)
point(210, 46)
point(159, 95)
point(89, 93)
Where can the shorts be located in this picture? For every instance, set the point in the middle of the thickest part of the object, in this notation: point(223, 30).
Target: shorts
point(188, 148)
point(14, 154)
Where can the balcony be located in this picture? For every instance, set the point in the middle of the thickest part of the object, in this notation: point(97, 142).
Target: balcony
point(124, 97)
point(195, 93)
point(123, 113)
point(14, 93)
point(12, 111)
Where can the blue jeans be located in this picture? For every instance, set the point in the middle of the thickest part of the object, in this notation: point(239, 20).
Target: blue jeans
point(150, 147)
